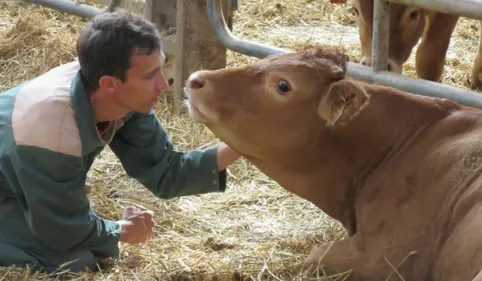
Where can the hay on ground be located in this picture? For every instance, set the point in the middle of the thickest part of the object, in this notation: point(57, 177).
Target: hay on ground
point(255, 230)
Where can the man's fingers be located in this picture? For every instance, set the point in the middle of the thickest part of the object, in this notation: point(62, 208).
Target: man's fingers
point(148, 221)
point(134, 211)
point(129, 209)
point(148, 214)
point(128, 212)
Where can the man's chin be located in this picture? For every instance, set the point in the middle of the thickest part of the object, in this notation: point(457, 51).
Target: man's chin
point(146, 110)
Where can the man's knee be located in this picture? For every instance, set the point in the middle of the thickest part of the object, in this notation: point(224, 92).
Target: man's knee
point(77, 261)
point(13, 256)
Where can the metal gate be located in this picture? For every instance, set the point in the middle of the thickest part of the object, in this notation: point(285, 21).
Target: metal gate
point(377, 73)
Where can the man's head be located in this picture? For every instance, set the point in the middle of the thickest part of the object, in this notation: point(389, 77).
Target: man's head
point(406, 27)
point(279, 105)
point(120, 54)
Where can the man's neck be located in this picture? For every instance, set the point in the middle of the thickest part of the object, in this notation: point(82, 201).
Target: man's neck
point(105, 108)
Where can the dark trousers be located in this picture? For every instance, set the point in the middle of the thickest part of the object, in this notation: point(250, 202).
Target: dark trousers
point(19, 246)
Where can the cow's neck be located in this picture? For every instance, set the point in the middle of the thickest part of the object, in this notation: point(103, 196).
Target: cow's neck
point(318, 176)
point(334, 168)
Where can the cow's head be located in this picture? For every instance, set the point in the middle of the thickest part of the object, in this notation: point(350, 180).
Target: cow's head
point(281, 105)
point(406, 27)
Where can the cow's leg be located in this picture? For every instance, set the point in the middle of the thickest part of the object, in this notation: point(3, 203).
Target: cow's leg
point(476, 78)
point(347, 260)
point(430, 58)
point(323, 259)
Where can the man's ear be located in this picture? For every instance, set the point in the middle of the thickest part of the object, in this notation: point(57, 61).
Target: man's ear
point(107, 82)
point(343, 101)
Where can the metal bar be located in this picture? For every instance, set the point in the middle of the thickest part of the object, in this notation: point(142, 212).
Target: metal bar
point(70, 7)
point(464, 8)
point(81, 10)
point(112, 5)
point(354, 70)
point(414, 85)
point(249, 48)
point(381, 28)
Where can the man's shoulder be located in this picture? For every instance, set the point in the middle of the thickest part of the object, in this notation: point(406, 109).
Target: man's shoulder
point(43, 115)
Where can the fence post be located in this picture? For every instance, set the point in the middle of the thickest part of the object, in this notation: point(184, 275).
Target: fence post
point(380, 38)
point(189, 41)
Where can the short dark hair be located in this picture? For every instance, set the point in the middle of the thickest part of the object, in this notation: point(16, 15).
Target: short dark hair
point(107, 42)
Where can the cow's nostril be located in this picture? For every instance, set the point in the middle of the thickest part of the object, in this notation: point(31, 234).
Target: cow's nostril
point(389, 67)
point(197, 83)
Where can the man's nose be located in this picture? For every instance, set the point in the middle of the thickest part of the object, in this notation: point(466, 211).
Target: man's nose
point(162, 83)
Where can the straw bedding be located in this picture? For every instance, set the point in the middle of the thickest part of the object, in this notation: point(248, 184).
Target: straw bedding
point(255, 230)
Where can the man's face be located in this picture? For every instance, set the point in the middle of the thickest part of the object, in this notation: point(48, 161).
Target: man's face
point(144, 82)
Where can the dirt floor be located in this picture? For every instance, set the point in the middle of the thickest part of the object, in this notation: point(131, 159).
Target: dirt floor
point(255, 230)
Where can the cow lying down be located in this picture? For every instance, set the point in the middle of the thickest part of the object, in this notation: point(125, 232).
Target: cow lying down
point(401, 172)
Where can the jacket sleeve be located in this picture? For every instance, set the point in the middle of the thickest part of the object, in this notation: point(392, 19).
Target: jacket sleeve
point(147, 154)
point(50, 188)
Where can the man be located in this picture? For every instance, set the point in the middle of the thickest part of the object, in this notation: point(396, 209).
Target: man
point(52, 128)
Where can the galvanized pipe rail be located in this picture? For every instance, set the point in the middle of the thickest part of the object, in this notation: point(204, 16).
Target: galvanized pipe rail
point(464, 8)
point(246, 47)
point(70, 7)
point(355, 70)
point(376, 74)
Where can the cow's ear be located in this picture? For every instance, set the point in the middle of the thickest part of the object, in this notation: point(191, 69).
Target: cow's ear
point(343, 101)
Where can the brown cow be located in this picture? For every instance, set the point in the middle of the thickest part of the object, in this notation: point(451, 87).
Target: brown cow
point(401, 172)
point(407, 24)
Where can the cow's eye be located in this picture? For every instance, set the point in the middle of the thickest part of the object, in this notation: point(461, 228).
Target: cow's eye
point(283, 86)
point(414, 14)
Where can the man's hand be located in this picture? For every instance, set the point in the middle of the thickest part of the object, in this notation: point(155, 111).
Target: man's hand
point(226, 156)
point(136, 225)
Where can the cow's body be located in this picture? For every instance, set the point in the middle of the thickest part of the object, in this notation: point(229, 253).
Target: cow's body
point(420, 209)
point(402, 173)
point(407, 24)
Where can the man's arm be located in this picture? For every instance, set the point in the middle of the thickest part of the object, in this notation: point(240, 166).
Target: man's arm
point(50, 188)
point(147, 154)
point(226, 156)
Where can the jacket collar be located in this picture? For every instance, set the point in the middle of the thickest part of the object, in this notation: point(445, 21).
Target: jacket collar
point(84, 114)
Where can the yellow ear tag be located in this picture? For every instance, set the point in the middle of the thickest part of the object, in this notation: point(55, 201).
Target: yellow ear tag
point(336, 114)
